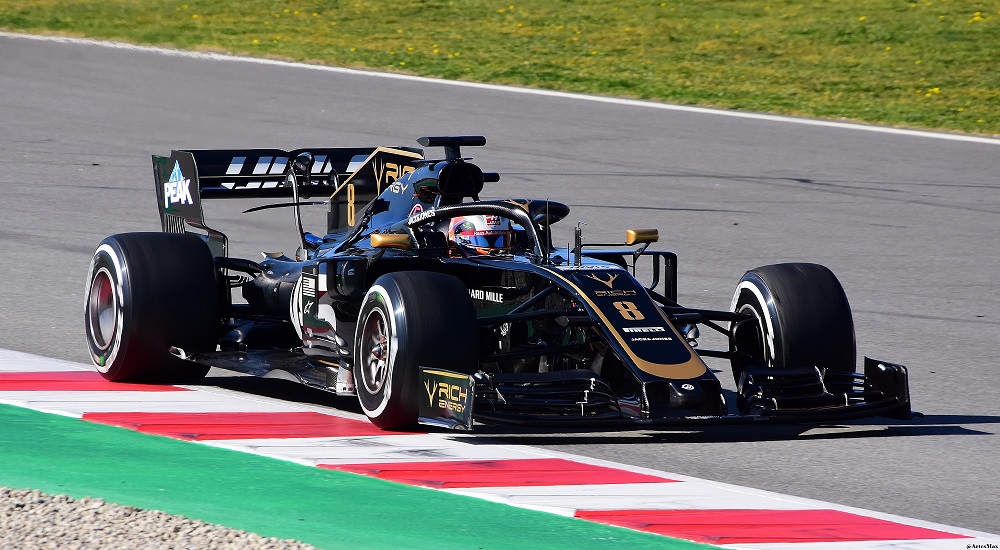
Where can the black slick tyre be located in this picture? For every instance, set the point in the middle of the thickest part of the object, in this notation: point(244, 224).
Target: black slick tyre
point(408, 320)
point(145, 293)
point(803, 319)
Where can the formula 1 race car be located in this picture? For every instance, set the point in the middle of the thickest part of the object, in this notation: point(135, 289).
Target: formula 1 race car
point(434, 306)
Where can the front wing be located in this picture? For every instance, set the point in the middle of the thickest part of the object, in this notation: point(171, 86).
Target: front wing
point(579, 400)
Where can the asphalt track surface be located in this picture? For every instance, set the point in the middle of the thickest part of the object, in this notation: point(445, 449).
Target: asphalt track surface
point(909, 222)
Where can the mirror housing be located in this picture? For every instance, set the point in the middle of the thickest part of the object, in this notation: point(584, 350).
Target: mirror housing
point(641, 236)
point(399, 241)
point(350, 277)
point(338, 278)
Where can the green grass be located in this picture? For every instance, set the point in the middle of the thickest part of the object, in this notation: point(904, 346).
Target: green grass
point(919, 63)
point(274, 498)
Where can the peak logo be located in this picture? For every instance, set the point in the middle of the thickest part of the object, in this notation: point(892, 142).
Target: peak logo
point(177, 189)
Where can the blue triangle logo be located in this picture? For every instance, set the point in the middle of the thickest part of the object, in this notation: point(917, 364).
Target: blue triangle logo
point(175, 174)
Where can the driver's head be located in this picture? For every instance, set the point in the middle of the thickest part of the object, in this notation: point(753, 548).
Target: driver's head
point(482, 234)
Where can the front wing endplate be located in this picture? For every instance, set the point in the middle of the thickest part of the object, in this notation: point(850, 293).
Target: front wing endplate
point(446, 399)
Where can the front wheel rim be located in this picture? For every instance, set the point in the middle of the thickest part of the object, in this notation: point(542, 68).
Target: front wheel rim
point(375, 342)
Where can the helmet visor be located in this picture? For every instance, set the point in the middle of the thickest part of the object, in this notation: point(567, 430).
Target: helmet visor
point(488, 238)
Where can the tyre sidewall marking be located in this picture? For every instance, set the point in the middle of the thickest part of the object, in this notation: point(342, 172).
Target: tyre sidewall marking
point(379, 294)
point(117, 275)
point(295, 307)
point(761, 310)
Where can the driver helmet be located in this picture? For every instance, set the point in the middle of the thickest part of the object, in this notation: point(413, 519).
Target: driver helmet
point(482, 234)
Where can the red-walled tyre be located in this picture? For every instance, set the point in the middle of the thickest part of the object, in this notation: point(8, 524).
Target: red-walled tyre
point(145, 293)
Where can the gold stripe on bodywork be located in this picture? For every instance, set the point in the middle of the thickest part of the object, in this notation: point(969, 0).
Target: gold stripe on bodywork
point(447, 374)
point(692, 368)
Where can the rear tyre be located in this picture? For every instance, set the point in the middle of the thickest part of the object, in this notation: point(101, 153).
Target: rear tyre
point(145, 293)
point(803, 319)
point(410, 319)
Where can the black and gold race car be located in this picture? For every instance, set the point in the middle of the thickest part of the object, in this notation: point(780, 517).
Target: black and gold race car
point(434, 306)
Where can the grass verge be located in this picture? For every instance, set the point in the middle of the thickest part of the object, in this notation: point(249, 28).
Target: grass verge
point(919, 63)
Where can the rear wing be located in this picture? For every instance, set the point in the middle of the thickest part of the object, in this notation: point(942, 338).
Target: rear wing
point(349, 176)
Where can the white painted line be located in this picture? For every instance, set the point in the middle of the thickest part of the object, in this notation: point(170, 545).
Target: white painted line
point(225, 393)
point(634, 496)
point(18, 361)
point(75, 403)
point(373, 449)
point(513, 89)
point(35, 406)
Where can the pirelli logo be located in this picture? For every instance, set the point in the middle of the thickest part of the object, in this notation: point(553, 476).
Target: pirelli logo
point(645, 329)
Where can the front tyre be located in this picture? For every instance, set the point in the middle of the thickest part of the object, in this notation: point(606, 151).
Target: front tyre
point(145, 293)
point(802, 319)
point(408, 320)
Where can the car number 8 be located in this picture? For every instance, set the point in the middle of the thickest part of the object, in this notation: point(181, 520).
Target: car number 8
point(350, 204)
point(629, 311)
